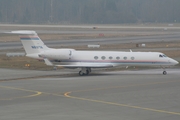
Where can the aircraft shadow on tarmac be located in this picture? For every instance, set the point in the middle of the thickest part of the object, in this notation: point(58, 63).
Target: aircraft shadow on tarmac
point(107, 74)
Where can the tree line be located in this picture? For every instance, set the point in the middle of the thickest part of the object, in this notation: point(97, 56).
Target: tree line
point(89, 11)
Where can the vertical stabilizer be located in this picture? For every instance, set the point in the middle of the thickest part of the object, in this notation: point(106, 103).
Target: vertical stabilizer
point(31, 42)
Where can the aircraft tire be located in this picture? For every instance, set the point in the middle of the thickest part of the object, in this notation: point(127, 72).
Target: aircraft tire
point(164, 73)
point(81, 73)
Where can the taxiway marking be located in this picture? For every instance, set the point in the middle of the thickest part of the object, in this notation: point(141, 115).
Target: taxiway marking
point(122, 105)
point(20, 89)
point(67, 94)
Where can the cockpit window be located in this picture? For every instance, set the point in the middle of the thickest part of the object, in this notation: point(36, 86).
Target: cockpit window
point(160, 55)
point(164, 56)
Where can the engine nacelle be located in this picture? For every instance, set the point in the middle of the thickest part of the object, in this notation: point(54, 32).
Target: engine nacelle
point(58, 54)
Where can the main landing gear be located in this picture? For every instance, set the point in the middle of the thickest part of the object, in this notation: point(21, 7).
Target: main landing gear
point(84, 71)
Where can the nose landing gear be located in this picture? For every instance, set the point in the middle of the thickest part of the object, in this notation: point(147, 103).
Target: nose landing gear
point(164, 73)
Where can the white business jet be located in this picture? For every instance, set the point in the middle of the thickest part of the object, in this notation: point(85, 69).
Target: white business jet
point(70, 58)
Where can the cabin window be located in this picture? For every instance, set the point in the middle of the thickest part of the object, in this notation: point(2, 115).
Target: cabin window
point(95, 57)
point(117, 58)
point(125, 58)
point(110, 57)
point(132, 58)
point(103, 57)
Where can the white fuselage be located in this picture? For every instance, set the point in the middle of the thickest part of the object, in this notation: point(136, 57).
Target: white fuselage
point(73, 57)
point(70, 58)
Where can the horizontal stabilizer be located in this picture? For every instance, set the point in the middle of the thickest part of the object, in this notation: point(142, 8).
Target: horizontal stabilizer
point(22, 32)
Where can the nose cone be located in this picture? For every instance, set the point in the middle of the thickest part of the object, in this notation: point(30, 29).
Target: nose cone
point(174, 62)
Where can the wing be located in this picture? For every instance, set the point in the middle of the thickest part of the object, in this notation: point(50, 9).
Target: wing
point(90, 65)
point(80, 64)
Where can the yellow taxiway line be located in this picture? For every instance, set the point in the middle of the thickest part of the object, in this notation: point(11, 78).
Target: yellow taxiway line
point(67, 94)
point(122, 105)
point(20, 89)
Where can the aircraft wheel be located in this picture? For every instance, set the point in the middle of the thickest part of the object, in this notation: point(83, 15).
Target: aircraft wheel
point(164, 72)
point(81, 73)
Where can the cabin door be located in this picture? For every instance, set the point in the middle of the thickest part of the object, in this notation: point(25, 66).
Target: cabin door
point(70, 54)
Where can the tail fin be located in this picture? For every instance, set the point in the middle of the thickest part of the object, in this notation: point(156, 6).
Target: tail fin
point(31, 41)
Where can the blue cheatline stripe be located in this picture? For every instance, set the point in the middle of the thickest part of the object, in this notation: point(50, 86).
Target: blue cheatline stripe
point(117, 62)
point(29, 38)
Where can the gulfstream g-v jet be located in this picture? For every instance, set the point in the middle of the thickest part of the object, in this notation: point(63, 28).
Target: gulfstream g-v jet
point(71, 58)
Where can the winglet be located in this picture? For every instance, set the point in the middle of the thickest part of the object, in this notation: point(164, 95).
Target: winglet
point(48, 62)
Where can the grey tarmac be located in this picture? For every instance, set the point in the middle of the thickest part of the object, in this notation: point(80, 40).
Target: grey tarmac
point(117, 95)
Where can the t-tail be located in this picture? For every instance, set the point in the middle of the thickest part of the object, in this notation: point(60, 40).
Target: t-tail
point(32, 44)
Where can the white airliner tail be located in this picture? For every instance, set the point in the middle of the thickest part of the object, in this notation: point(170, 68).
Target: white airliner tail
point(31, 42)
